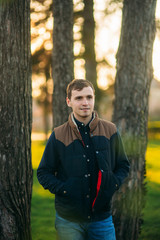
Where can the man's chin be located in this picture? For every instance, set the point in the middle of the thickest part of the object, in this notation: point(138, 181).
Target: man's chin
point(85, 115)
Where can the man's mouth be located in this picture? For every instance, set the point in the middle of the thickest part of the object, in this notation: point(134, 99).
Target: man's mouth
point(84, 109)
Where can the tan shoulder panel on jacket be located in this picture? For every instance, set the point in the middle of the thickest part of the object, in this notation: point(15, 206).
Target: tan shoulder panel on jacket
point(65, 134)
point(105, 128)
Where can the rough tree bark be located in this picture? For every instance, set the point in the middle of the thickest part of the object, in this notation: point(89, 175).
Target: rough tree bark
point(62, 57)
point(133, 79)
point(15, 120)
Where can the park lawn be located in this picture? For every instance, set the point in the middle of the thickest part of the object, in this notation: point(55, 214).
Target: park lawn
point(43, 212)
point(151, 213)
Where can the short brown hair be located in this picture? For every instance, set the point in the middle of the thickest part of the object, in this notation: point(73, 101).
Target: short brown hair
point(78, 84)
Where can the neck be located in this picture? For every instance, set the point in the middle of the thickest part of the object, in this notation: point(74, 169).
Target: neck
point(84, 120)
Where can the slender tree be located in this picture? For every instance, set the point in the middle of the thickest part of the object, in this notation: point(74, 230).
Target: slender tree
point(15, 120)
point(88, 38)
point(62, 57)
point(89, 55)
point(133, 79)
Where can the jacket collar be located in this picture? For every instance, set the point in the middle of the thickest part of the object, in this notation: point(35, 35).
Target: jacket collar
point(92, 124)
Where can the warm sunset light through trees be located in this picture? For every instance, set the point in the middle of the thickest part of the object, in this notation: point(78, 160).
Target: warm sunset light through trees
point(113, 43)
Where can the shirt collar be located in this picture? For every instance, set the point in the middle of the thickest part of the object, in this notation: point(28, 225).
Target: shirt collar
point(82, 125)
point(92, 125)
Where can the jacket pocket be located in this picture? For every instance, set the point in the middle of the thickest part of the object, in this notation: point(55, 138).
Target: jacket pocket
point(109, 184)
point(69, 203)
point(73, 187)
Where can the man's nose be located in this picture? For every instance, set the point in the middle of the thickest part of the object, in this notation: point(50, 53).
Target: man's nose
point(85, 101)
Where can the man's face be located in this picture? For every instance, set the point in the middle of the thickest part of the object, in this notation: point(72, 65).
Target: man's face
point(82, 104)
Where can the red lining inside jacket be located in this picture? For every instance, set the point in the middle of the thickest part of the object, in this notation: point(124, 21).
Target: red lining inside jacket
point(98, 186)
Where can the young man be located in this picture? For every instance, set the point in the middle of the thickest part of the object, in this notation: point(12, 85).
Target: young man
point(83, 164)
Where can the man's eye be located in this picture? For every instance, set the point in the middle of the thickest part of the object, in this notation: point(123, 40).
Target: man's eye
point(90, 97)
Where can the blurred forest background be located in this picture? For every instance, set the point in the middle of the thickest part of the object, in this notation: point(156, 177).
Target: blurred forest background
point(105, 26)
point(96, 29)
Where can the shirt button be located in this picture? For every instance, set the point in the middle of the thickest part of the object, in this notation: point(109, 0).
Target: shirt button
point(87, 196)
point(88, 160)
point(84, 155)
point(97, 152)
point(87, 146)
point(89, 175)
point(86, 175)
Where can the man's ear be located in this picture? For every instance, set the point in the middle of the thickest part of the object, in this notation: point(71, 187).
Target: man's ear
point(68, 102)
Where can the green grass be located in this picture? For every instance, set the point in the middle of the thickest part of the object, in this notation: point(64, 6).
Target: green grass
point(151, 225)
point(43, 212)
point(154, 124)
point(37, 152)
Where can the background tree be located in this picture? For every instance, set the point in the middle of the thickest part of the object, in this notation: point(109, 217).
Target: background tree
point(62, 57)
point(133, 79)
point(88, 38)
point(84, 39)
point(89, 55)
point(41, 46)
point(15, 120)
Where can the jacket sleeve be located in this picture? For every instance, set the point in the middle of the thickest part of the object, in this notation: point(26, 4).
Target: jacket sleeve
point(48, 166)
point(122, 165)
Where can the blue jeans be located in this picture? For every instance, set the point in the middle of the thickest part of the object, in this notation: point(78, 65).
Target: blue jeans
point(100, 230)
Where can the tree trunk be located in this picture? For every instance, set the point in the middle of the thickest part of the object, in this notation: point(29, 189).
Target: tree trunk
point(62, 57)
point(133, 79)
point(15, 121)
point(88, 39)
